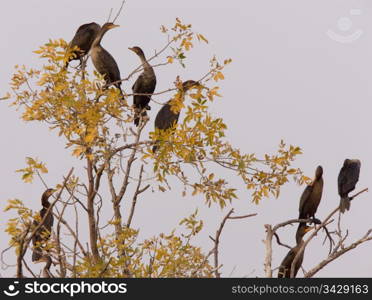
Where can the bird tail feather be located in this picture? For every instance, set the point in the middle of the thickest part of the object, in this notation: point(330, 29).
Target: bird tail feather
point(36, 254)
point(138, 116)
point(344, 204)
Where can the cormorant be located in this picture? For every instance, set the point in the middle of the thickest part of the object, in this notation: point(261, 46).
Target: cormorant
point(145, 84)
point(103, 60)
point(311, 197)
point(166, 118)
point(83, 39)
point(285, 266)
point(347, 179)
point(43, 233)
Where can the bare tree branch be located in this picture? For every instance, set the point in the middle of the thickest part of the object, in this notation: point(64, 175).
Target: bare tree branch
point(242, 217)
point(105, 268)
point(21, 250)
point(216, 239)
point(93, 237)
point(270, 232)
point(279, 242)
point(217, 242)
point(136, 193)
point(28, 268)
point(119, 11)
point(269, 250)
point(334, 255)
point(313, 234)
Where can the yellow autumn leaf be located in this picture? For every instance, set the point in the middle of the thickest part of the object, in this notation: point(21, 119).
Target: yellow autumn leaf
point(90, 137)
point(28, 177)
point(202, 38)
point(78, 151)
point(7, 96)
point(162, 188)
point(218, 76)
point(214, 92)
point(170, 59)
point(186, 43)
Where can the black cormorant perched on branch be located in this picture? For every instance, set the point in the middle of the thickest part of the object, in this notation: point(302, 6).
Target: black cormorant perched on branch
point(347, 179)
point(166, 118)
point(43, 233)
point(285, 266)
point(103, 60)
point(311, 197)
point(83, 39)
point(145, 84)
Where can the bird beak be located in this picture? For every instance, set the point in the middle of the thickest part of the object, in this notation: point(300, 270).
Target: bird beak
point(130, 48)
point(114, 26)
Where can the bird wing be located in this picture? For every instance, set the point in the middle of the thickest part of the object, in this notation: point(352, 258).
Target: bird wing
point(137, 88)
point(84, 36)
point(81, 39)
point(348, 178)
point(165, 118)
point(304, 198)
point(106, 65)
point(36, 236)
point(138, 84)
point(113, 73)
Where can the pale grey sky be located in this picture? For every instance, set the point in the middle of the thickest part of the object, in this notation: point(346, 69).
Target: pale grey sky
point(301, 71)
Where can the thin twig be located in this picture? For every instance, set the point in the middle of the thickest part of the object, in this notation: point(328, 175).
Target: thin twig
point(134, 200)
point(242, 217)
point(105, 268)
point(217, 241)
point(118, 14)
point(367, 237)
point(22, 250)
point(109, 16)
point(279, 242)
point(324, 223)
point(28, 268)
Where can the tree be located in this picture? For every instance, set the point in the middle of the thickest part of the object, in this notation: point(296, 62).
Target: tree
point(96, 125)
point(335, 249)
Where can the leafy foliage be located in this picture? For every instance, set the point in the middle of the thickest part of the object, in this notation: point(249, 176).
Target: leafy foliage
point(96, 123)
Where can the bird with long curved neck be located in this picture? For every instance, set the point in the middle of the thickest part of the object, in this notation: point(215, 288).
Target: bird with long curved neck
point(43, 233)
point(166, 117)
point(286, 264)
point(103, 61)
point(145, 84)
point(311, 197)
point(347, 179)
point(83, 39)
